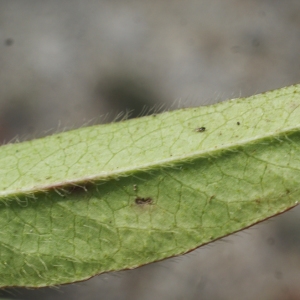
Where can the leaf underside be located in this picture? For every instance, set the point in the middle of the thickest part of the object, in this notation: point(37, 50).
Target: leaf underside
point(117, 196)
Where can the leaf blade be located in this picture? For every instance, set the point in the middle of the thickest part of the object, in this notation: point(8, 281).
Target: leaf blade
point(121, 195)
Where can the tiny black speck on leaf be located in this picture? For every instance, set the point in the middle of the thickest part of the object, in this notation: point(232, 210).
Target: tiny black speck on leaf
point(238, 123)
point(200, 129)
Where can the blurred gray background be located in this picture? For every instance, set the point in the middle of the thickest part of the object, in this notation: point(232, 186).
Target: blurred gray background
point(65, 64)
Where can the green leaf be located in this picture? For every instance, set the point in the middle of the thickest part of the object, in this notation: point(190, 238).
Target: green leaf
point(121, 195)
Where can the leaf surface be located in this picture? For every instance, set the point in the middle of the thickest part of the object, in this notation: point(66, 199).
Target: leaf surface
point(117, 196)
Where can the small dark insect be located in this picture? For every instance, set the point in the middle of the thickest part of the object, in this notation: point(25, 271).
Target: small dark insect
point(200, 129)
point(139, 200)
point(238, 123)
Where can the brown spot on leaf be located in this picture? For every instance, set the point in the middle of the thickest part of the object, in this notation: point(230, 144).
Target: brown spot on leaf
point(211, 197)
point(143, 201)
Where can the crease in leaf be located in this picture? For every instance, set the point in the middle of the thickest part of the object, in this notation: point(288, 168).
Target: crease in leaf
point(121, 195)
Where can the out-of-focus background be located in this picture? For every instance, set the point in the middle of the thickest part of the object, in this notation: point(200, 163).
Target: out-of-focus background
point(64, 64)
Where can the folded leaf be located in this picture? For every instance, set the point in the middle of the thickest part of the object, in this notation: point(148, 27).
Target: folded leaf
point(117, 196)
